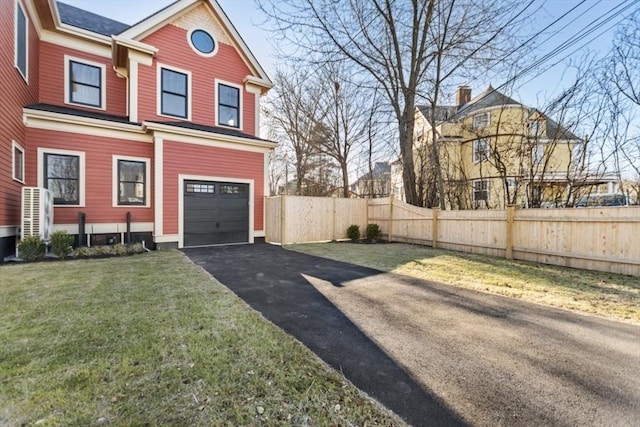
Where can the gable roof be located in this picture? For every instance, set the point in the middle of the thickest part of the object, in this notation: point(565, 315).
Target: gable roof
point(88, 21)
point(167, 14)
point(489, 98)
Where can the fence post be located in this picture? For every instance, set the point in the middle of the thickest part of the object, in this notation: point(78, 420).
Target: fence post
point(509, 237)
point(434, 227)
point(390, 238)
point(282, 219)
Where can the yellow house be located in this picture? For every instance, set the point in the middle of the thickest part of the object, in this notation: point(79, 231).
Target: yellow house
point(494, 151)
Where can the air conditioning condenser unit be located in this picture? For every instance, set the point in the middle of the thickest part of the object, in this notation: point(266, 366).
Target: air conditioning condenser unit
point(37, 212)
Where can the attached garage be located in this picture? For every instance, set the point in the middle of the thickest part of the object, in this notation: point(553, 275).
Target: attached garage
point(215, 212)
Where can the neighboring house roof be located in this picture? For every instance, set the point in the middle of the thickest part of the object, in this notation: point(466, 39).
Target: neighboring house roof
point(381, 170)
point(489, 98)
point(81, 113)
point(79, 18)
point(556, 132)
point(210, 129)
point(443, 112)
point(492, 98)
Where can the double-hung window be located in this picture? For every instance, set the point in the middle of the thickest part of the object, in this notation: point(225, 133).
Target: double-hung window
point(480, 150)
point(481, 190)
point(21, 41)
point(85, 84)
point(18, 161)
point(228, 105)
point(62, 177)
point(174, 93)
point(481, 120)
point(132, 182)
point(537, 154)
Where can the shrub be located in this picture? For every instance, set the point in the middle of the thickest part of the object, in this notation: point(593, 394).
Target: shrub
point(373, 232)
point(31, 248)
point(353, 232)
point(61, 243)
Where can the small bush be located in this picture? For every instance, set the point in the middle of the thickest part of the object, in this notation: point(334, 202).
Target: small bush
point(61, 243)
point(31, 248)
point(83, 252)
point(353, 232)
point(373, 232)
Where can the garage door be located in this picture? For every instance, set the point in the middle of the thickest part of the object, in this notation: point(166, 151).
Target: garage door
point(215, 213)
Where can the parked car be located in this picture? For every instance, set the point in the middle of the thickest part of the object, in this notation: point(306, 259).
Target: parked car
point(600, 200)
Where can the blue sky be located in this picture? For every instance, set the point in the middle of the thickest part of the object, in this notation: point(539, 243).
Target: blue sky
point(531, 91)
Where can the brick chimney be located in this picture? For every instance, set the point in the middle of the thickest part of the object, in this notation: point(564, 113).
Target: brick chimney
point(463, 95)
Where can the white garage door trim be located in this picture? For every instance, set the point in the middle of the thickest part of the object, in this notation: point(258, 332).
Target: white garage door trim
point(183, 178)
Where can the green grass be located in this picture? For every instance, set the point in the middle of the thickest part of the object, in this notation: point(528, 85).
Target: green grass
point(153, 340)
point(604, 294)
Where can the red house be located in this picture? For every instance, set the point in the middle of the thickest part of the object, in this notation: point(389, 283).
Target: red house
point(159, 120)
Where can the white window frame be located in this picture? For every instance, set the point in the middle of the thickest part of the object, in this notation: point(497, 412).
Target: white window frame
point(537, 154)
point(67, 82)
point(512, 182)
point(488, 190)
point(81, 173)
point(159, 68)
point(116, 180)
point(480, 118)
point(15, 146)
point(25, 75)
point(477, 156)
point(240, 88)
point(205, 55)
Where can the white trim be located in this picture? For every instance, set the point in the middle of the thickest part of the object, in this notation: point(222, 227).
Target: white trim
point(159, 67)
point(79, 44)
point(192, 136)
point(15, 145)
point(205, 55)
point(19, 5)
point(259, 233)
point(100, 228)
point(132, 90)
point(184, 177)
point(158, 185)
point(145, 27)
point(103, 81)
point(481, 114)
point(58, 122)
point(167, 238)
point(9, 231)
point(240, 88)
point(81, 173)
point(115, 180)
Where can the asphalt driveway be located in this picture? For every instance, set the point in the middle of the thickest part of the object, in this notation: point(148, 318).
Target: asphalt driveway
point(439, 355)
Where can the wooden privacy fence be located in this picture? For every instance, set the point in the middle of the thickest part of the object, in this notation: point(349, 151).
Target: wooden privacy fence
point(604, 239)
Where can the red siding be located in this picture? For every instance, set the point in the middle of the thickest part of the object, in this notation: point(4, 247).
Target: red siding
point(98, 180)
point(15, 93)
point(52, 79)
point(174, 50)
point(180, 158)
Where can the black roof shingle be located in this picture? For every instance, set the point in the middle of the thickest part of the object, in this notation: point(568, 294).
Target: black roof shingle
point(79, 18)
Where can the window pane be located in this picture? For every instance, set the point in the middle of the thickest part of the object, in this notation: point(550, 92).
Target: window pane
point(18, 172)
point(174, 82)
point(228, 116)
point(21, 42)
point(62, 166)
point(85, 74)
point(131, 182)
point(85, 94)
point(202, 41)
point(174, 105)
point(65, 191)
point(229, 96)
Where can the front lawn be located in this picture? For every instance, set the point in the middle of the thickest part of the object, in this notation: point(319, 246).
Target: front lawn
point(154, 340)
point(605, 294)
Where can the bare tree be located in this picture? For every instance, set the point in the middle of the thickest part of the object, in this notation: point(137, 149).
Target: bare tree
point(293, 113)
point(392, 44)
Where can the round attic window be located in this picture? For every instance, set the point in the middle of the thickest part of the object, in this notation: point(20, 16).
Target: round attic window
point(203, 42)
